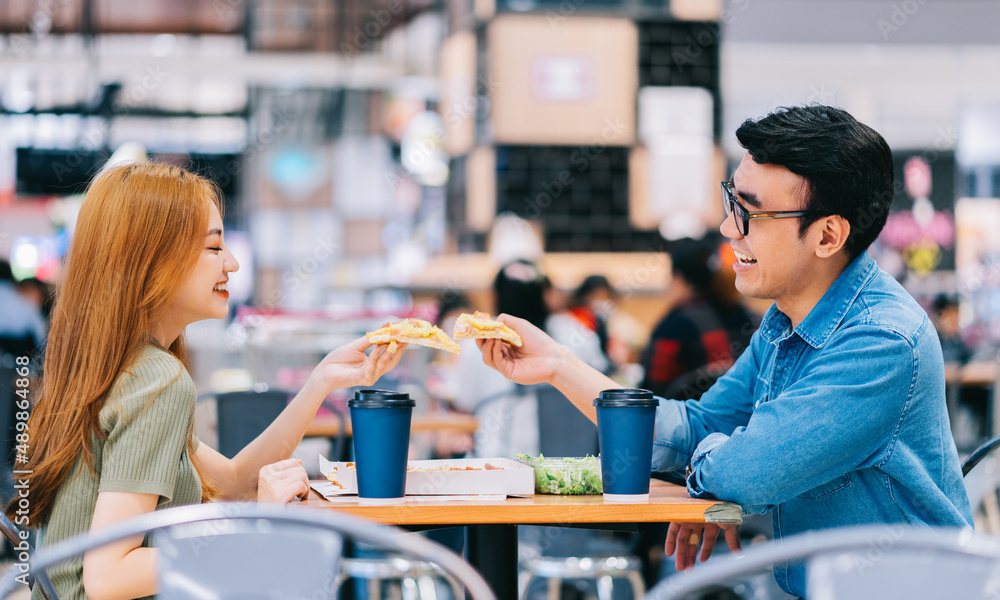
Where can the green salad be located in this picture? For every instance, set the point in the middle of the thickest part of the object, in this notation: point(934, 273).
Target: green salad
point(567, 476)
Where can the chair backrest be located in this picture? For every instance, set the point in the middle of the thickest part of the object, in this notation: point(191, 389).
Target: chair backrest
point(247, 550)
point(982, 485)
point(244, 415)
point(979, 454)
point(864, 562)
point(244, 559)
point(908, 573)
point(10, 531)
point(21, 547)
point(563, 429)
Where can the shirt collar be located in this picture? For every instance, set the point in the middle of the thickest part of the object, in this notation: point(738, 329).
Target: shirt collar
point(826, 316)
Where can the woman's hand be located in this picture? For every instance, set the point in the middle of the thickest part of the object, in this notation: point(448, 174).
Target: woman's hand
point(683, 538)
point(282, 482)
point(536, 361)
point(349, 366)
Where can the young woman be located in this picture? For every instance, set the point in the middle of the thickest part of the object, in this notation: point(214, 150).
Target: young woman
point(112, 434)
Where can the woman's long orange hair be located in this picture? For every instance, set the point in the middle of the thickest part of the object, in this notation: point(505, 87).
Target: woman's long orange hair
point(139, 233)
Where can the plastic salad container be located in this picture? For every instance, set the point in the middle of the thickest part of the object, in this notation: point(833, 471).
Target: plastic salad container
point(565, 476)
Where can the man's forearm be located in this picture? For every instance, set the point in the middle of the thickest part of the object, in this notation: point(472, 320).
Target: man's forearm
point(580, 382)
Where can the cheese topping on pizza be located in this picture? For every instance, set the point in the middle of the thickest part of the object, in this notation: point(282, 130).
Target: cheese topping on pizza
point(481, 326)
point(413, 331)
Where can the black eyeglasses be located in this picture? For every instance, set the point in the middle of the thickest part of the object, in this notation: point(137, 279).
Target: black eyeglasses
point(743, 215)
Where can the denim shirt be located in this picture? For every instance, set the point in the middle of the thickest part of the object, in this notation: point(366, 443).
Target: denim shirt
point(840, 422)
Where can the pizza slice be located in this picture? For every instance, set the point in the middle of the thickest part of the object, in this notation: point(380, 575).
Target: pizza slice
point(481, 326)
point(413, 331)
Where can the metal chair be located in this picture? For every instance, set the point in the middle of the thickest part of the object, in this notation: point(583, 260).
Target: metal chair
point(886, 561)
point(982, 485)
point(565, 431)
point(243, 415)
point(246, 550)
point(979, 454)
point(22, 551)
point(603, 570)
point(417, 579)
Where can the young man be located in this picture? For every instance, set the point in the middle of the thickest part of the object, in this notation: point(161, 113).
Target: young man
point(835, 415)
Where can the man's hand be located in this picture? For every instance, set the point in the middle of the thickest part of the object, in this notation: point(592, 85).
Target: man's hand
point(536, 361)
point(683, 538)
point(349, 366)
point(282, 482)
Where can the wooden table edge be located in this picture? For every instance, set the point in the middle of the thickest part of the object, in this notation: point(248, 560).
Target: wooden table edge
point(464, 512)
point(331, 426)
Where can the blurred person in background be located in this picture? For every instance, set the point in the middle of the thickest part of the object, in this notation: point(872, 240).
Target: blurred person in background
point(953, 347)
point(22, 326)
point(705, 329)
point(40, 294)
point(835, 415)
point(592, 304)
point(112, 434)
point(507, 412)
point(595, 305)
point(441, 385)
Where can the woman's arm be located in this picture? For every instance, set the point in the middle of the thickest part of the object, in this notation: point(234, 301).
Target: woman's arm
point(345, 367)
point(123, 569)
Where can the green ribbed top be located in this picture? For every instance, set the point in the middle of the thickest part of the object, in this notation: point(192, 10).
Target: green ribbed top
point(145, 452)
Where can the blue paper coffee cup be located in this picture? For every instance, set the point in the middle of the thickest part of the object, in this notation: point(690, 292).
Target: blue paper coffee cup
point(380, 420)
point(625, 422)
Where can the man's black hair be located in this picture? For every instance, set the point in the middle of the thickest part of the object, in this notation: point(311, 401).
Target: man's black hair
point(847, 166)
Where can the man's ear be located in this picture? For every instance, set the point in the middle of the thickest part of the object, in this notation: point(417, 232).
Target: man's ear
point(833, 231)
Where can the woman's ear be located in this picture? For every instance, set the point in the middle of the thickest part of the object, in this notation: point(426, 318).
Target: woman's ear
point(834, 231)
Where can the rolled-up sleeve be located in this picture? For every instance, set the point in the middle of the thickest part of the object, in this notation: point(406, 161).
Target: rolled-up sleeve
point(681, 425)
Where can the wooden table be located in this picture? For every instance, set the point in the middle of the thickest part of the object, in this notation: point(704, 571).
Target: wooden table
point(453, 422)
point(492, 539)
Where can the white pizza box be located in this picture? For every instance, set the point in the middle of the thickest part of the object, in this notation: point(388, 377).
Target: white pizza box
point(512, 478)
